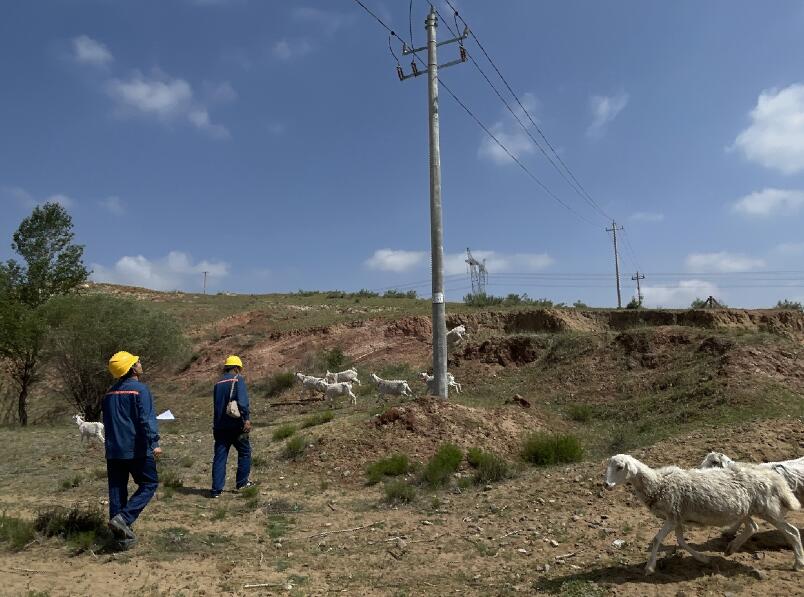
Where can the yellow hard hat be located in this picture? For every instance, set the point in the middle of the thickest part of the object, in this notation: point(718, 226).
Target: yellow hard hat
point(233, 361)
point(121, 362)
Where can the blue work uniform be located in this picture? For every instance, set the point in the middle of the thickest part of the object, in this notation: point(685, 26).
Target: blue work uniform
point(228, 431)
point(132, 433)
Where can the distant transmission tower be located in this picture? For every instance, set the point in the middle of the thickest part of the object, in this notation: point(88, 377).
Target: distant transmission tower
point(477, 273)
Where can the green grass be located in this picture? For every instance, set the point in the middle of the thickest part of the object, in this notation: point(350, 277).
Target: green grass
point(440, 468)
point(170, 478)
point(283, 432)
point(581, 588)
point(399, 491)
point(249, 492)
point(83, 528)
point(219, 513)
point(393, 466)
point(489, 467)
point(258, 461)
point(70, 483)
point(15, 533)
point(276, 384)
point(580, 413)
point(177, 539)
point(295, 447)
point(543, 449)
point(186, 461)
point(317, 419)
point(278, 526)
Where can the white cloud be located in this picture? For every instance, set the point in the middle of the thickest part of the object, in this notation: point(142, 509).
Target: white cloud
point(680, 295)
point(605, 109)
point(329, 21)
point(163, 97)
point(220, 93)
point(113, 205)
point(455, 263)
point(290, 49)
point(775, 138)
point(768, 202)
point(390, 260)
point(25, 199)
point(511, 134)
point(646, 216)
point(174, 271)
point(89, 51)
point(722, 262)
point(790, 248)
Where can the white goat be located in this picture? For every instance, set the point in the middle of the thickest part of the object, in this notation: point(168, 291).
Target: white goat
point(456, 336)
point(341, 388)
point(311, 384)
point(393, 387)
point(89, 430)
point(348, 375)
point(714, 497)
point(791, 470)
point(429, 381)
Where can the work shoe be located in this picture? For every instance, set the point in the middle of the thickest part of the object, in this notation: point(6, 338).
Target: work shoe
point(126, 544)
point(119, 526)
point(213, 495)
point(247, 484)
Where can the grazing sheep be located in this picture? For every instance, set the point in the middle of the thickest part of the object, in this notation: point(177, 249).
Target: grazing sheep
point(348, 375)
point(791, 470)
point(715, 497)
point(394, 387)
point(311, 384)
point(89, 430)
point(456, 336)
point(429, 381)
point(341, 388)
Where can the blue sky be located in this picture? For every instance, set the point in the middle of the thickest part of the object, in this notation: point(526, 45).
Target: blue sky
point(271, 144)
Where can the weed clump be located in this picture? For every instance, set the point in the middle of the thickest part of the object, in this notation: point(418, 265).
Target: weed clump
point(580, 413)
point(393, 466)
point(544, 449)
point(442, 465)
point(15, 532)
point(295, 447)
point(398, 491)
point(169, 478)
point(317, 419)
point(70, 483)
point(283, 432)
point(279, 382)
point(489, 468)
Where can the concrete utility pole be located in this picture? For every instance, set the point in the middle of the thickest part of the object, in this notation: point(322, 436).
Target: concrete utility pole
point(436, 228)
point(205, 282)
point(639, 277)
point(614, 230)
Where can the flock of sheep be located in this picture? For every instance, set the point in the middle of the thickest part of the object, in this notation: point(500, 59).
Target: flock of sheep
point(719, 492)
point(332, 385)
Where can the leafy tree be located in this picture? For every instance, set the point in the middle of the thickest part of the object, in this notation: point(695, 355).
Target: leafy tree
point(634, 304)
point(698, 303)
point(789, 305)
point(52, 265)
point(579, 304)
point(87, 330)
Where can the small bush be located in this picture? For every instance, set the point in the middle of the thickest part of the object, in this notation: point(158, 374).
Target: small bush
point(398, 491)
point(633, 304)
point(82, 528)
point(277, 526)
point(579, 304)
point(169, 477)
point(392, 466)
point(258, 461)
point(544, 449)
point(410, 294)
point(219, 514)
point(295, 447)
point(580, 413)
point(442, 465)
point(249, 492)
point(317, 419)
point(15, 532)
point(283, 432)
point(186, 461)
point(279, 382)
point(489, 467)
point(789, 305)
point(335, 359)
point(70, 483)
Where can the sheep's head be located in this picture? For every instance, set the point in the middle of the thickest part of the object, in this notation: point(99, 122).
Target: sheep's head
point(716, 460)
point(423, 376)
point(77, 419)
point(621, 468)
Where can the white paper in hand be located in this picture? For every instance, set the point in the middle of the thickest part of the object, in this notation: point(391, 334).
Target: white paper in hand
point(166, 416)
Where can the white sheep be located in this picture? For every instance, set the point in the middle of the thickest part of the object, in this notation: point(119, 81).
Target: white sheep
point(393, 387)
point(429, 381)
point(89, 430)
point(791, 470)
point(341, 388)
point(715, 497)
point(311, 384)
point(347, 375)
point(456, 336)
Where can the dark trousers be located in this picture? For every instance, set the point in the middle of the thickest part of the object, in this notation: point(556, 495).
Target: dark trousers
point(225, 439)
point(143, 471)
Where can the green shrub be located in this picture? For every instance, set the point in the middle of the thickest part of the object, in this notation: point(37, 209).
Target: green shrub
point(410, 294)
point(789, 305)
point(219, 514)
point(70, 483)
point(15, 532)
point(398, 491)
point(489, 467)
point(279, 382)
point(283, 432)
point(249, 492)
point(317, 419)
point(258, 461)
point(169, 477)
point(392, 466)
point(83, 528)
point(186, 461)
point(580, 413)
point(544, 449)
point(295, 447)
point(442, 465)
